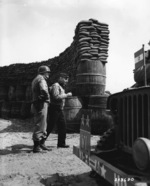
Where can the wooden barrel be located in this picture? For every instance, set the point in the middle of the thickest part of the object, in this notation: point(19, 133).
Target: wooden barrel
point(11, 93)
point(26, 110)
point(141, 153)
point(3, 92)
point(98, 101)
point(98, 105)
point(84, 101)
point(20, 92)
point(28, 93)
point(72, 112)
point(91, 78)
point(15, 109)
point(100, 120)
point(1, 103)
point(6, 110)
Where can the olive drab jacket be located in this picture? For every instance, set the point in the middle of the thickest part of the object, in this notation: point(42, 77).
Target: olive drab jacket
point(40, 89)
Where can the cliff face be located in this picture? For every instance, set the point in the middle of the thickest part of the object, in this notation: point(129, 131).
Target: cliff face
point(90, 44)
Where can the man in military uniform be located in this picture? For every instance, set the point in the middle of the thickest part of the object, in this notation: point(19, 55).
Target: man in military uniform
point(55, 113)
point(41, 100)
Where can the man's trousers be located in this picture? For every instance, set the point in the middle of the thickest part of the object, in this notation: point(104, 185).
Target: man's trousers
point(39, 110)
point(56, 118)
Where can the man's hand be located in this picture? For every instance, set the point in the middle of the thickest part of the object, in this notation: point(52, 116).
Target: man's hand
point(69, 94)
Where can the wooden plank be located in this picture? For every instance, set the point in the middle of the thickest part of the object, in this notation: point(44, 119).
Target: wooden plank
point(149, 117)
point(85, 132)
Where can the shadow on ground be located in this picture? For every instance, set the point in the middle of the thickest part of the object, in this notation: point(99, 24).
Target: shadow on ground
point(75, 180)
point(18, 125)
point(16, 149)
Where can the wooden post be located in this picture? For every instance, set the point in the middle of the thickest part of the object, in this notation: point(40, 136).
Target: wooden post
point(145, 75)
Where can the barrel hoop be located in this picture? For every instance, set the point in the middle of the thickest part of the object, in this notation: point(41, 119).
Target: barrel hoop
point(94, 106)
point(89, 83)
point(99, 96)
point(68, 108)
point(93, 74)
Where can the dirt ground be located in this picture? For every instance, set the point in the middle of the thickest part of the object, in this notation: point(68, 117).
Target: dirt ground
point(19, 166)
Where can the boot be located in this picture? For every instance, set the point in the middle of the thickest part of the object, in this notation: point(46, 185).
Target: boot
point(62, 146)
point(43, 146)
point(37, 147)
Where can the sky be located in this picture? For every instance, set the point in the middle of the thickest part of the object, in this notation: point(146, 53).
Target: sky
point(37, 30)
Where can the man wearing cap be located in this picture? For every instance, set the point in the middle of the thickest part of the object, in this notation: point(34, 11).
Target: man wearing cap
point(39, 108)
point(55, 113)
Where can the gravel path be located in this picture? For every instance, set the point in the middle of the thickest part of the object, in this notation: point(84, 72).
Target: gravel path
point(21, 167)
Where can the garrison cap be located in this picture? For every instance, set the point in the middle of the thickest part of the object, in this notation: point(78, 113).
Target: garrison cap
point(64, 75)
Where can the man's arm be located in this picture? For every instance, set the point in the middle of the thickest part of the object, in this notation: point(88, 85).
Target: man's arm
point(57, 94)
point(44, 91)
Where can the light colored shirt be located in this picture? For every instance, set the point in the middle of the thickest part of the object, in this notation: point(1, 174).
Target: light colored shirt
point(58, 95)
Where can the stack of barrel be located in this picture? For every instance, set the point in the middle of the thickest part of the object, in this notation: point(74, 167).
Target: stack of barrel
point(91, 71)
point(85, 60)
point(15, 101)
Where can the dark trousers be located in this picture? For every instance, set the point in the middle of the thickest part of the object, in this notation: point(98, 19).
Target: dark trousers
point(56, 118)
